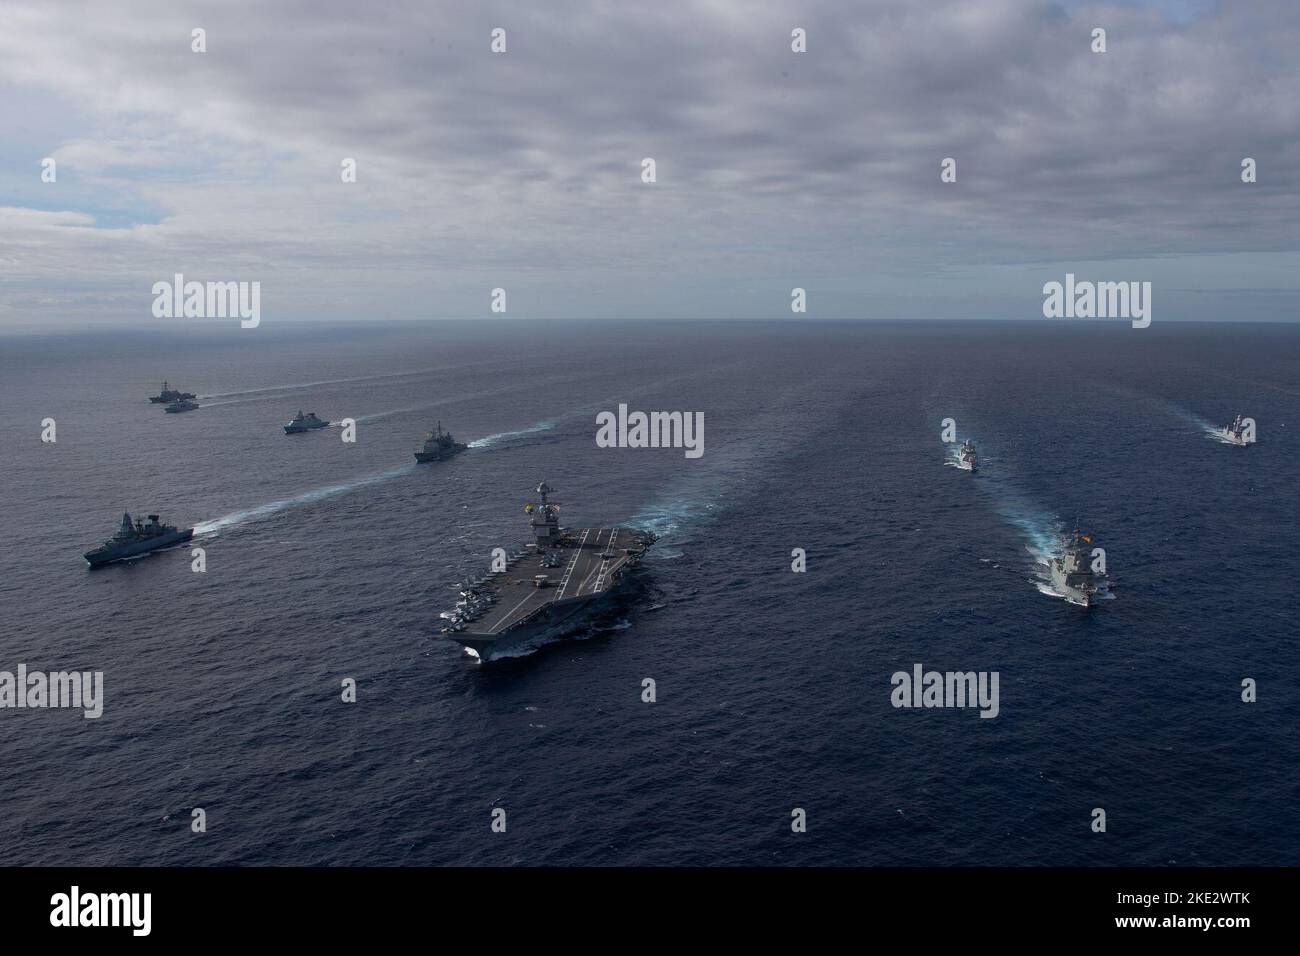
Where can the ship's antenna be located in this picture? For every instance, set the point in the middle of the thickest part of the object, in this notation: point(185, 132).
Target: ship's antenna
point(545, 518)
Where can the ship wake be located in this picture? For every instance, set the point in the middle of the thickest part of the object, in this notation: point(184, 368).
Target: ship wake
point(500, 438)
point(271, 508)
point(1043, 534)
point(297, 386)
point(1216, 434)
point(670, 519)
point(1210, 430)
point(732, 469)
point(1207, 428)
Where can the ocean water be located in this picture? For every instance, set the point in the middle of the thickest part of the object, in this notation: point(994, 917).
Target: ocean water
point(328, 560)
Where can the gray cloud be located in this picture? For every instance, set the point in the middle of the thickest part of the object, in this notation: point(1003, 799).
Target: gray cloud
point(522, 170)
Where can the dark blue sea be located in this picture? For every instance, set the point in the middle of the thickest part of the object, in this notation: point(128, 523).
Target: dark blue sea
point(328, 560)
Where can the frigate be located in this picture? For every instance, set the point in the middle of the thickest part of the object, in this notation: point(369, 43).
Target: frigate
point(136, 538)
point(169, 395)
point(304, 423)
point(181, 405)
point(438, 445)
point(1073, 575)
point(966, 456)
point(545, 589)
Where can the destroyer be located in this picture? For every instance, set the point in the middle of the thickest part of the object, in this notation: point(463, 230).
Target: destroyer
point(1239, 432)
point(304, 423)
point(133, 539)
point(966, 456)
point(169, 395)
point(1074, 577)
point(439, 445)
point(183, 405)
point(547, 586)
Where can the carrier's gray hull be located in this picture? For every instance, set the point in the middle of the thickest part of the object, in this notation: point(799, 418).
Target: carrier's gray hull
point(593, 566)
point(554, 621)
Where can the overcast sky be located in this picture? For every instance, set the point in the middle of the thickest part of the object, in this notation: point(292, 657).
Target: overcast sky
point(523, 170)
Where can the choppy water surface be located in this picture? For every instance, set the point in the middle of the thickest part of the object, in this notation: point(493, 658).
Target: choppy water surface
point(329, 560)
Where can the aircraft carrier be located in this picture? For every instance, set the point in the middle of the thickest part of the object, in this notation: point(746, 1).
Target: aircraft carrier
point(545, 589)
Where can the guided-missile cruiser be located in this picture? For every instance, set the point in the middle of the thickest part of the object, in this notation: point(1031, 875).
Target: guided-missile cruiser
point(966, 456)
point(169, 395)
point(1074, 577)
point(1235, 433)
point(136, 538)
point(547, 587)
point(439, 445)
point(304, 423)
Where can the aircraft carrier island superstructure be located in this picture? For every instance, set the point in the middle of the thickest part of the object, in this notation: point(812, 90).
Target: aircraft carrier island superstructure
point(545, 589)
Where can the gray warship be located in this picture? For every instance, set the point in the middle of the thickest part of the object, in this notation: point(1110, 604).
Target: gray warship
point(547, 587)
point(136, 538)
point(438, 445)
point(966, 457)
point(304, 423)
point(169, 395)
point(181, 405)
point(1234, 434)
point(1073, 575)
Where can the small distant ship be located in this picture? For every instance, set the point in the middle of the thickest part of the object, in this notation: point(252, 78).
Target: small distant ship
point(438, 445)
point(304, 423)
point(966, 456)
point(183, 405)
point(168, 395)
point(1235, 433)
point(1073, 575)
point(136, 538)
point(547, 586)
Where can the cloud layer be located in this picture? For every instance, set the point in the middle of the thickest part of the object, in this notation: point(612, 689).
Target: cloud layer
point(522, 170)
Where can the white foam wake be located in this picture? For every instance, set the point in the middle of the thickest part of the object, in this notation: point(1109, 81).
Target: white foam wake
point(307, 497)
point(294, 386)
point(490, 440)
